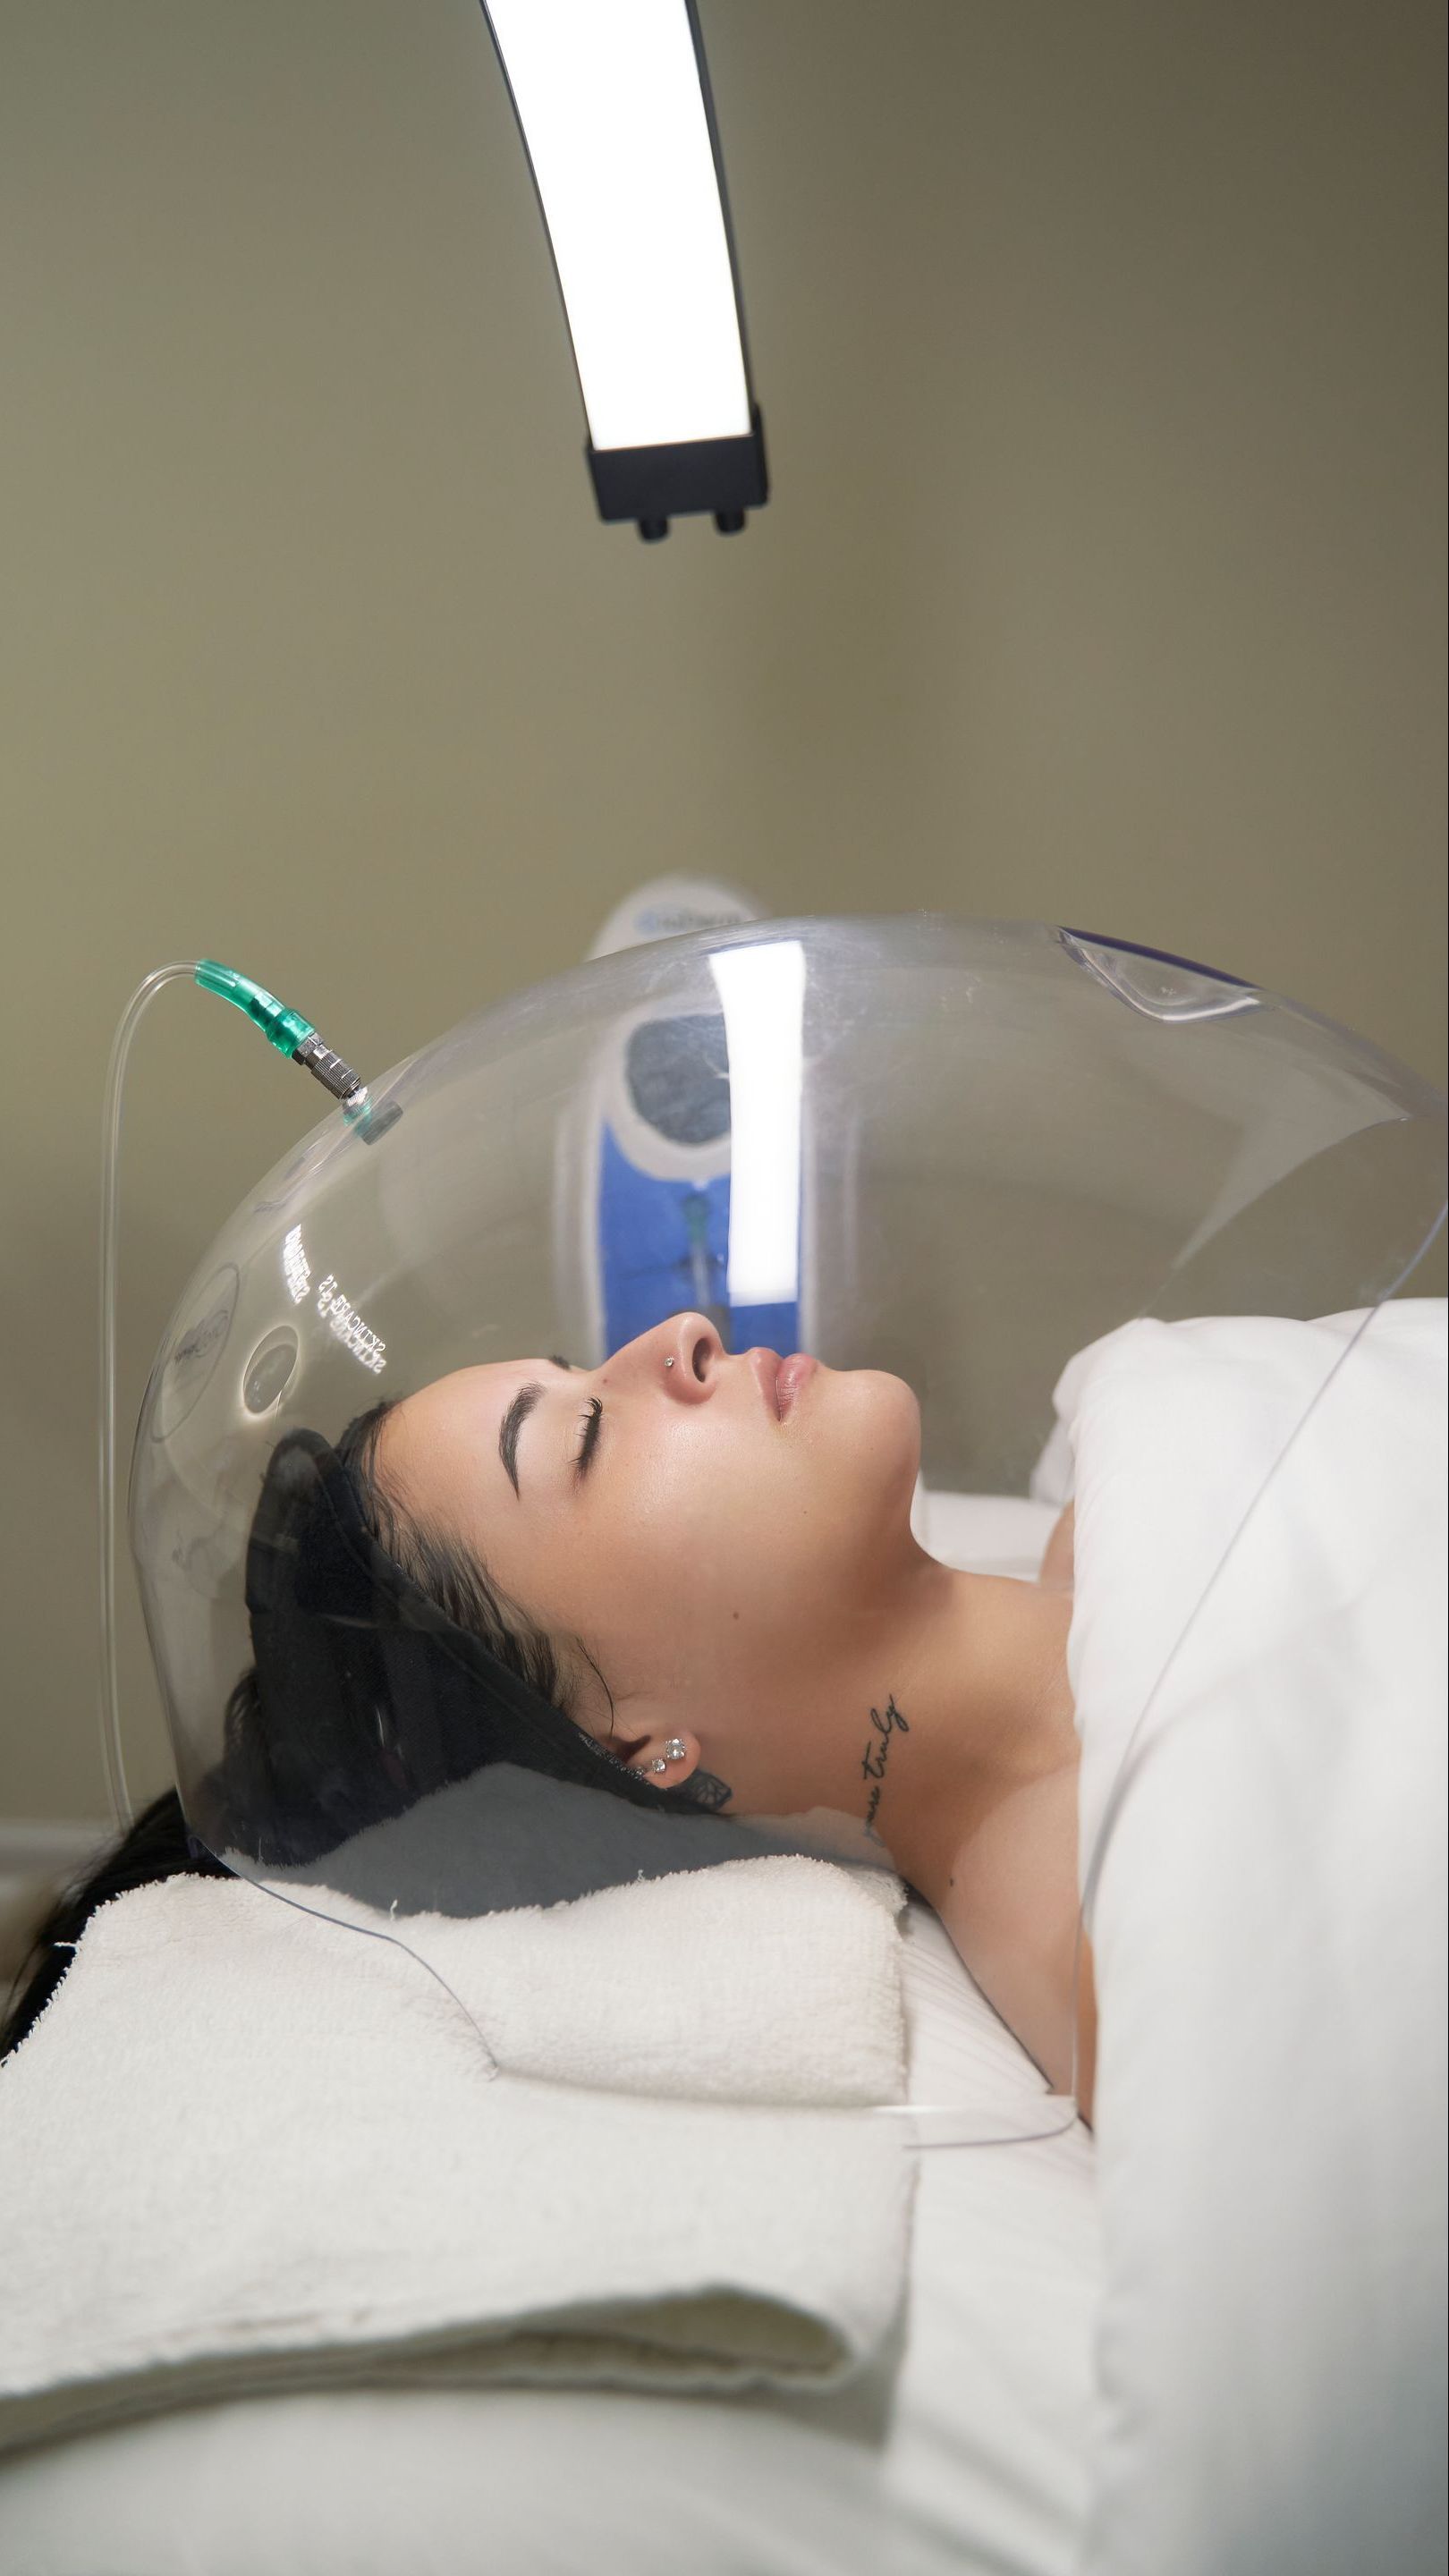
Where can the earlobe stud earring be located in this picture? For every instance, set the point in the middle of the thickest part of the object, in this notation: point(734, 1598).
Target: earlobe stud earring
point(675, 1749)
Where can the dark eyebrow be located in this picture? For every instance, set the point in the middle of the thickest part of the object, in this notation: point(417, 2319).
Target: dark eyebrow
point(511, 1425)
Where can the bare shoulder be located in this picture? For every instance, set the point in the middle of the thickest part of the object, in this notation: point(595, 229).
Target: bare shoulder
point(1010, 1912)
point(1057, 1567)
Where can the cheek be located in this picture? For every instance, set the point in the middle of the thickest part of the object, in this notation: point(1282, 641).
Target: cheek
point(689, 1533)
point(708, 1536)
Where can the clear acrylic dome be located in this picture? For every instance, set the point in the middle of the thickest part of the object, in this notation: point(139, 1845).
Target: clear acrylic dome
point(939, 1159)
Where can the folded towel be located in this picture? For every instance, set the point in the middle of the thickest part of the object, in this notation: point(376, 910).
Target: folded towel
point(754, 1981)
point(244, 2147)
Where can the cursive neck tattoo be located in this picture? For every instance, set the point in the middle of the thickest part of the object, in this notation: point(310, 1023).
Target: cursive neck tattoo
point(873, 1761)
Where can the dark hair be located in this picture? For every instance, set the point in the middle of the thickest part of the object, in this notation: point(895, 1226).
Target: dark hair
point(158, 1844)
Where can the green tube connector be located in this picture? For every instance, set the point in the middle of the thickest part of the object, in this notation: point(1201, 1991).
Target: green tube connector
point(285, 1030)
point(296, 1038)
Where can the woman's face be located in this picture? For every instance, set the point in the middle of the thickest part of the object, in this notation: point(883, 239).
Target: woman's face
point(712, 1530)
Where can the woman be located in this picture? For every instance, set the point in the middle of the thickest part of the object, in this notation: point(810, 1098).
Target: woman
point(706, 1562)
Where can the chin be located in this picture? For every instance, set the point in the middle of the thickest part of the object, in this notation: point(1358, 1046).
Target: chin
point(877, 1418)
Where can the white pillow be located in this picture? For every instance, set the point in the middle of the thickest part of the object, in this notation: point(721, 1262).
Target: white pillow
point(985, 1533)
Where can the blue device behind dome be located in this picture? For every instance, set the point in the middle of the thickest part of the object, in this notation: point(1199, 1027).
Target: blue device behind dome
point(663, 1245)
point(657, 1168)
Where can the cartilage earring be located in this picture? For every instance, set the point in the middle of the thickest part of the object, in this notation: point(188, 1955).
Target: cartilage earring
point(675, 1749)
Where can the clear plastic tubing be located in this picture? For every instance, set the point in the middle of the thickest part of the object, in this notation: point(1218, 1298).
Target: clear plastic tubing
point(292, 1036)
point(110, 1709)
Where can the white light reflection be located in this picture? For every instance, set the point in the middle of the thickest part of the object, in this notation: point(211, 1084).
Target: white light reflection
point(342, 1318)
point(296, 1269)
point(762, 995)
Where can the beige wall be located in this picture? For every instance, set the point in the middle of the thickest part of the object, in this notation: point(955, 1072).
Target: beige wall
point(1101, 356)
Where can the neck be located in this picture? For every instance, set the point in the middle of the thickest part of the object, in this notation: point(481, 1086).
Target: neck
point(967, 1705)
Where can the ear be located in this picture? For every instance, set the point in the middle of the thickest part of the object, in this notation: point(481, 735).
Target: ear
point(667, 1754)
point(650, 1742)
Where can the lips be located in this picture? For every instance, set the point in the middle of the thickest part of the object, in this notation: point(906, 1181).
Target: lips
point(789, 1379)
point(780, 1381)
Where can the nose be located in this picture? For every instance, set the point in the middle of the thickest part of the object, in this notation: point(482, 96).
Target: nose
point(683, 1356)
point(692, 1344)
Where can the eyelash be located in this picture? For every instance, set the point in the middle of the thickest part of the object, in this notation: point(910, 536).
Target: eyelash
point(590, 1439)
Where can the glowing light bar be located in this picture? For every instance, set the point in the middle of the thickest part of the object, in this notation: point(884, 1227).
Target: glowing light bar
point(612, 99)
point(762, 995)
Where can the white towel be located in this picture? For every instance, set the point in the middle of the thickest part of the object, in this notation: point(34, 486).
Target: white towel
point(244, 2147)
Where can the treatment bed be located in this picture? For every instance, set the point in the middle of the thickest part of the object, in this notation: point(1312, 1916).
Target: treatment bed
point(1206, 2340)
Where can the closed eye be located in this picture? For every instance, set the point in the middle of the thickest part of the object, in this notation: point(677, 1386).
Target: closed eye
point(590, 1440)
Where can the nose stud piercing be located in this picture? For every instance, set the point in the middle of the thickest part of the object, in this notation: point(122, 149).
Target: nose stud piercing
point(669, 1363)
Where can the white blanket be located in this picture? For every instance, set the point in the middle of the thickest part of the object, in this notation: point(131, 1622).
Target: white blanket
point(1268, 1930)
point(244, 2147)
